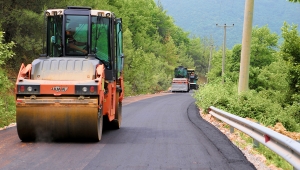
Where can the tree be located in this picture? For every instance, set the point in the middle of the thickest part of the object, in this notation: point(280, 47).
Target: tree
point(22, 22)
point(263, 46)
point(263, 50)
point(5, 50)
point(294, 1)
point(290, 50)
point(6, 101)
point(200, 54)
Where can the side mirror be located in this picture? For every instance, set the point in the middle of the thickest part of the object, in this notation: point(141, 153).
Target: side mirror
point(43, 55)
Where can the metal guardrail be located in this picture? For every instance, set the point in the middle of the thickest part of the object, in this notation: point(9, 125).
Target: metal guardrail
point(284, 146)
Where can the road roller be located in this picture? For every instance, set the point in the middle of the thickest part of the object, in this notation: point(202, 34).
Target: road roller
point(76, 85)
point(180, 82)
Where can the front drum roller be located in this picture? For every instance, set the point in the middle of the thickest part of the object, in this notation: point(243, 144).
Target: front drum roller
point(56, 122)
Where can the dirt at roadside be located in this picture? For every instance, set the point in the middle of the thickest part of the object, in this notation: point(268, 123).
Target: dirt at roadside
point(131, 99)
point(9, 126)
point(281, 129)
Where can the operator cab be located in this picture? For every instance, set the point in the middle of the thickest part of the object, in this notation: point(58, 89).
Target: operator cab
point(83, 32)
point(181, 72)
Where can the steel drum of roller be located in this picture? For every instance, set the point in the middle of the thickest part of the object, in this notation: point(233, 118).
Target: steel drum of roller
point(40, 121)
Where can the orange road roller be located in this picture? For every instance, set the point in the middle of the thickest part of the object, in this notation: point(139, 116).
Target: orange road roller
point(77, 84)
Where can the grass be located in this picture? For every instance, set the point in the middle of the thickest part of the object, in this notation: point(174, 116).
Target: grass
point(273, 158)
point(7, 111)
point(6, 119)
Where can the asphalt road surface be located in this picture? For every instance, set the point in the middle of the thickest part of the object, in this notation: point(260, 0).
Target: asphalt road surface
point(161, 132)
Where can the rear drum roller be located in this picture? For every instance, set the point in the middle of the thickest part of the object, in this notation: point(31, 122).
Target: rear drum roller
point(59, 122)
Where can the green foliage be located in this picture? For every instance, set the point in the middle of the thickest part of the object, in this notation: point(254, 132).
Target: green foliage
point(291, 41)
point(199, 52)
point(203, 16)
point(140, 71)
point(183, 58)
point(263, 53)
point(290, 51)
point(263, 45)
point(7, 111)
point(5, 50)
point(294, 1)
point(273, 158)
point(294, 111)
point(216, 66)
point(26, 32)
point(213, 95)
point(252, 104)
point(271, 99)
point(152, 42)
point(235, 58)
point(274, 76)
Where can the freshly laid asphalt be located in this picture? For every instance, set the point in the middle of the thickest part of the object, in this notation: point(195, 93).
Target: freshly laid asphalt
point(157, 132)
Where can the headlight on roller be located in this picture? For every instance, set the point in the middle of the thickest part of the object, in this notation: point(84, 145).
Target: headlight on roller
point(84, 89)
point(29, 88)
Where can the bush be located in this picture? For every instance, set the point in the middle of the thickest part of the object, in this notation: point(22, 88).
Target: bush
point(7, 104)
point(7, 111)
point(215, 94)
point(251, 104)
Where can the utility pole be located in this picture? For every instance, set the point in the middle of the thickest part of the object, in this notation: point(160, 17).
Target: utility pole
point(224, 49)
point(209, 61)
point(210, 56)
point(246, 47)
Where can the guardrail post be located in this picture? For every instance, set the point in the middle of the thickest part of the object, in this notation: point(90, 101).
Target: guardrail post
point(255, 142)
point(231, 129)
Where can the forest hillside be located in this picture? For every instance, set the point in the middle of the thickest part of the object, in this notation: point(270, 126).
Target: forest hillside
point(199, 17)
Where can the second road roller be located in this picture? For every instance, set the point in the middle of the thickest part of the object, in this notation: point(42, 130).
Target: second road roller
point(77, 84)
